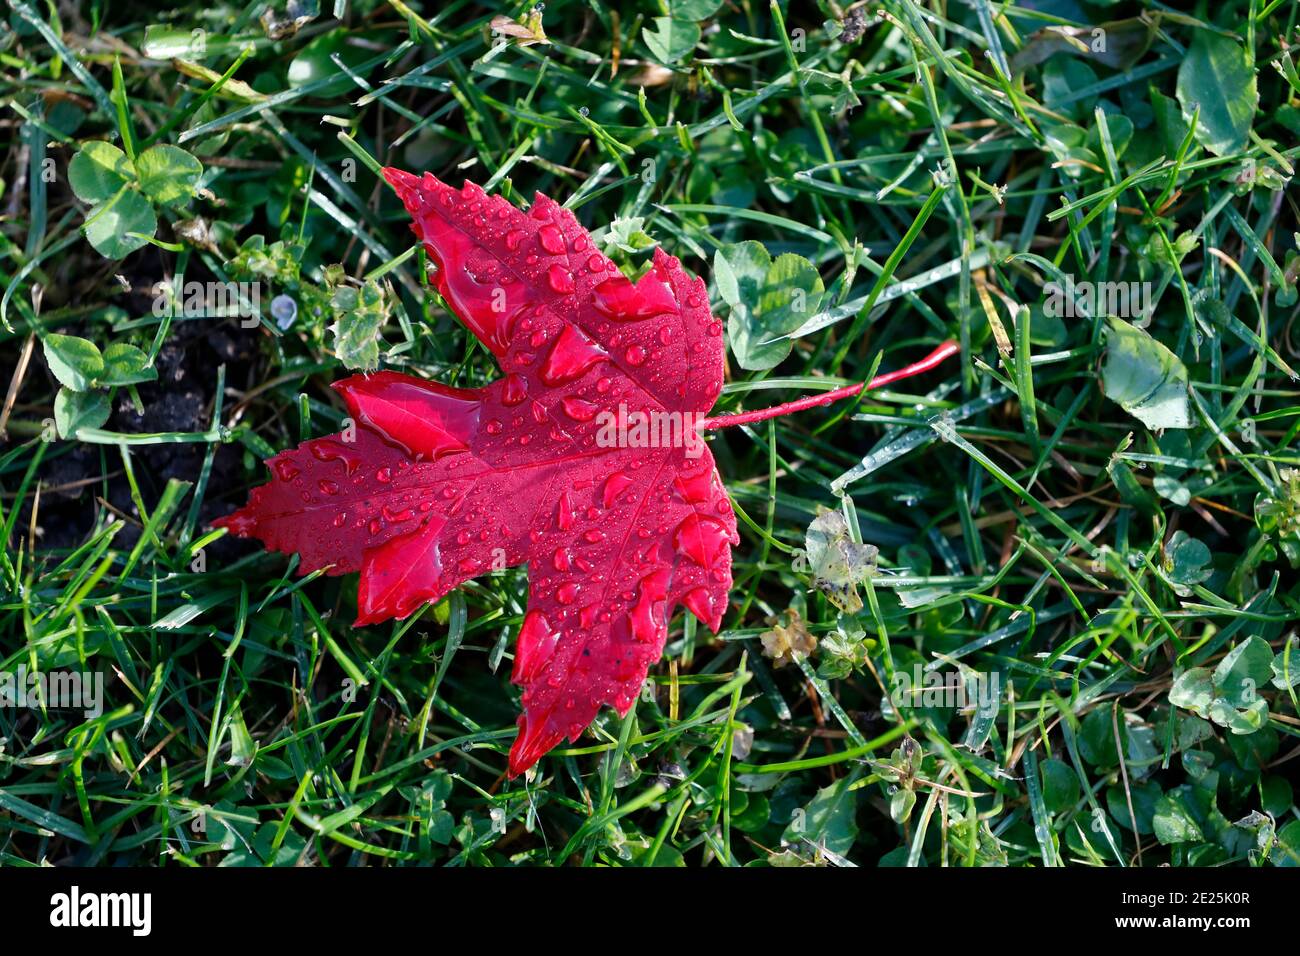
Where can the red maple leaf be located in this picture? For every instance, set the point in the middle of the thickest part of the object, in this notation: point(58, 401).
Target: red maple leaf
point(583, 461)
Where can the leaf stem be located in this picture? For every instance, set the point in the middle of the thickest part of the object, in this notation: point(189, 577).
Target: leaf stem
point(944, 351)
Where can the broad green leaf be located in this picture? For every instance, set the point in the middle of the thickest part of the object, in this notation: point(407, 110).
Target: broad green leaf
point(1118, 44)
point(1131, 491)
point(1286, 852)
point(168, 174)
point(439, 786)
point(671, 40)
point(1097, 737)
point(1068, 144)
point(1120, 128)
point(1062, 80)
point(1194, 690)
point(693, 9)
point(1218, 75)
point(315, 63)
point(98, 171)
point(1144, 797)
point(1255, 753)
point(76, 410)
point(75, 362)
point(768, 298)
point(1172, 489)
point(1240, 720)
point(1060, 785)
point(1286, 668)
point(441, 826)
point(1173, 822)
point(756, 815)
point(109, 224)
point(1243, 671)
point(739, 269)
point(901, 804)
point(1187, 559)
point(1193, 730)
point(828, 821)
point(1170, 125)
point(1146, 379)
point(125, 365)
point(1230, 695)
point(1276, 794)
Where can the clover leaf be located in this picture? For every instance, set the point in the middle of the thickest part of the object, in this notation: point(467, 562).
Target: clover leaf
point(122, 192)
point(1229, 695)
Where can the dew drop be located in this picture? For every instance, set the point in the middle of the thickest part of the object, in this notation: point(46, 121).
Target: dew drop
point(514, 390)
point(696, 488)
point(570, 357)
point(700, 603)
point(552, 239)
point(535, 645)
point(564, 512)
point(329, 451)
point(615, 485)
point(579, 409)
point(559, 279)
point(619, 299)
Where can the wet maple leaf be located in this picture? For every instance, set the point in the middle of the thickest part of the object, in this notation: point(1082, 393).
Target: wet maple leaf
point(439, 484)
point(582, 461)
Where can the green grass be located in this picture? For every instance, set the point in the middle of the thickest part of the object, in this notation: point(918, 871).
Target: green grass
point(1032, 526)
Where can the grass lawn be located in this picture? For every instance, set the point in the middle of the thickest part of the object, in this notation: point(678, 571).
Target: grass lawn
point(1031, 607)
